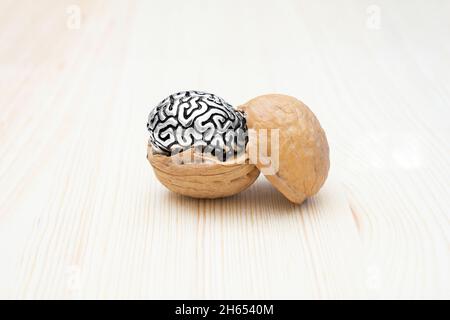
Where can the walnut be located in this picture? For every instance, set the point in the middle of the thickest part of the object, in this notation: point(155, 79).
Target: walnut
point(303, 147)
point(199, 145)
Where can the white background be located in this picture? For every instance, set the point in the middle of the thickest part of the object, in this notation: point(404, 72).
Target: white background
point(82, 215)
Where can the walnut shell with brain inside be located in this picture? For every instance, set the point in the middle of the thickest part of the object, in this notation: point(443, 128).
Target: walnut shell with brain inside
point(197, 146)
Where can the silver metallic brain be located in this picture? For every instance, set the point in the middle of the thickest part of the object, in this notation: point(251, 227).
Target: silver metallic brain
point(197, 119)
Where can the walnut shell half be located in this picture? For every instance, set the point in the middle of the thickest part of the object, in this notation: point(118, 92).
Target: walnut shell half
point(303, 150)
point(199, 176)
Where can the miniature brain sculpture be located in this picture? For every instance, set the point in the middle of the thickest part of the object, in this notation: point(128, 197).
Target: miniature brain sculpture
point(197, 119)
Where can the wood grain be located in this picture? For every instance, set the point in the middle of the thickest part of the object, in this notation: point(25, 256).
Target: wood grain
point(82, 215)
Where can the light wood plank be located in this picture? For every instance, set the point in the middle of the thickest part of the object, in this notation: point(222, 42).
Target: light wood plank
point(82, 215)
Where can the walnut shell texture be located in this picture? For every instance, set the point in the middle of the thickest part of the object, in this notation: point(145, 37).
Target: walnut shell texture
point(202, 176)
point(303, 147)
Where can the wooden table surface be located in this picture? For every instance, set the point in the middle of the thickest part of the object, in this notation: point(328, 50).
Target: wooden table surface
point(82, 215)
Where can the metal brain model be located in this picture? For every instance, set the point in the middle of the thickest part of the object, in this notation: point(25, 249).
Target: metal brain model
point(197, 119)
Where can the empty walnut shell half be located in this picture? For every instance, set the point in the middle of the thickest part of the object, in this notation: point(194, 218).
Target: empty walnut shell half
point(303, 150)
point(198, 175)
